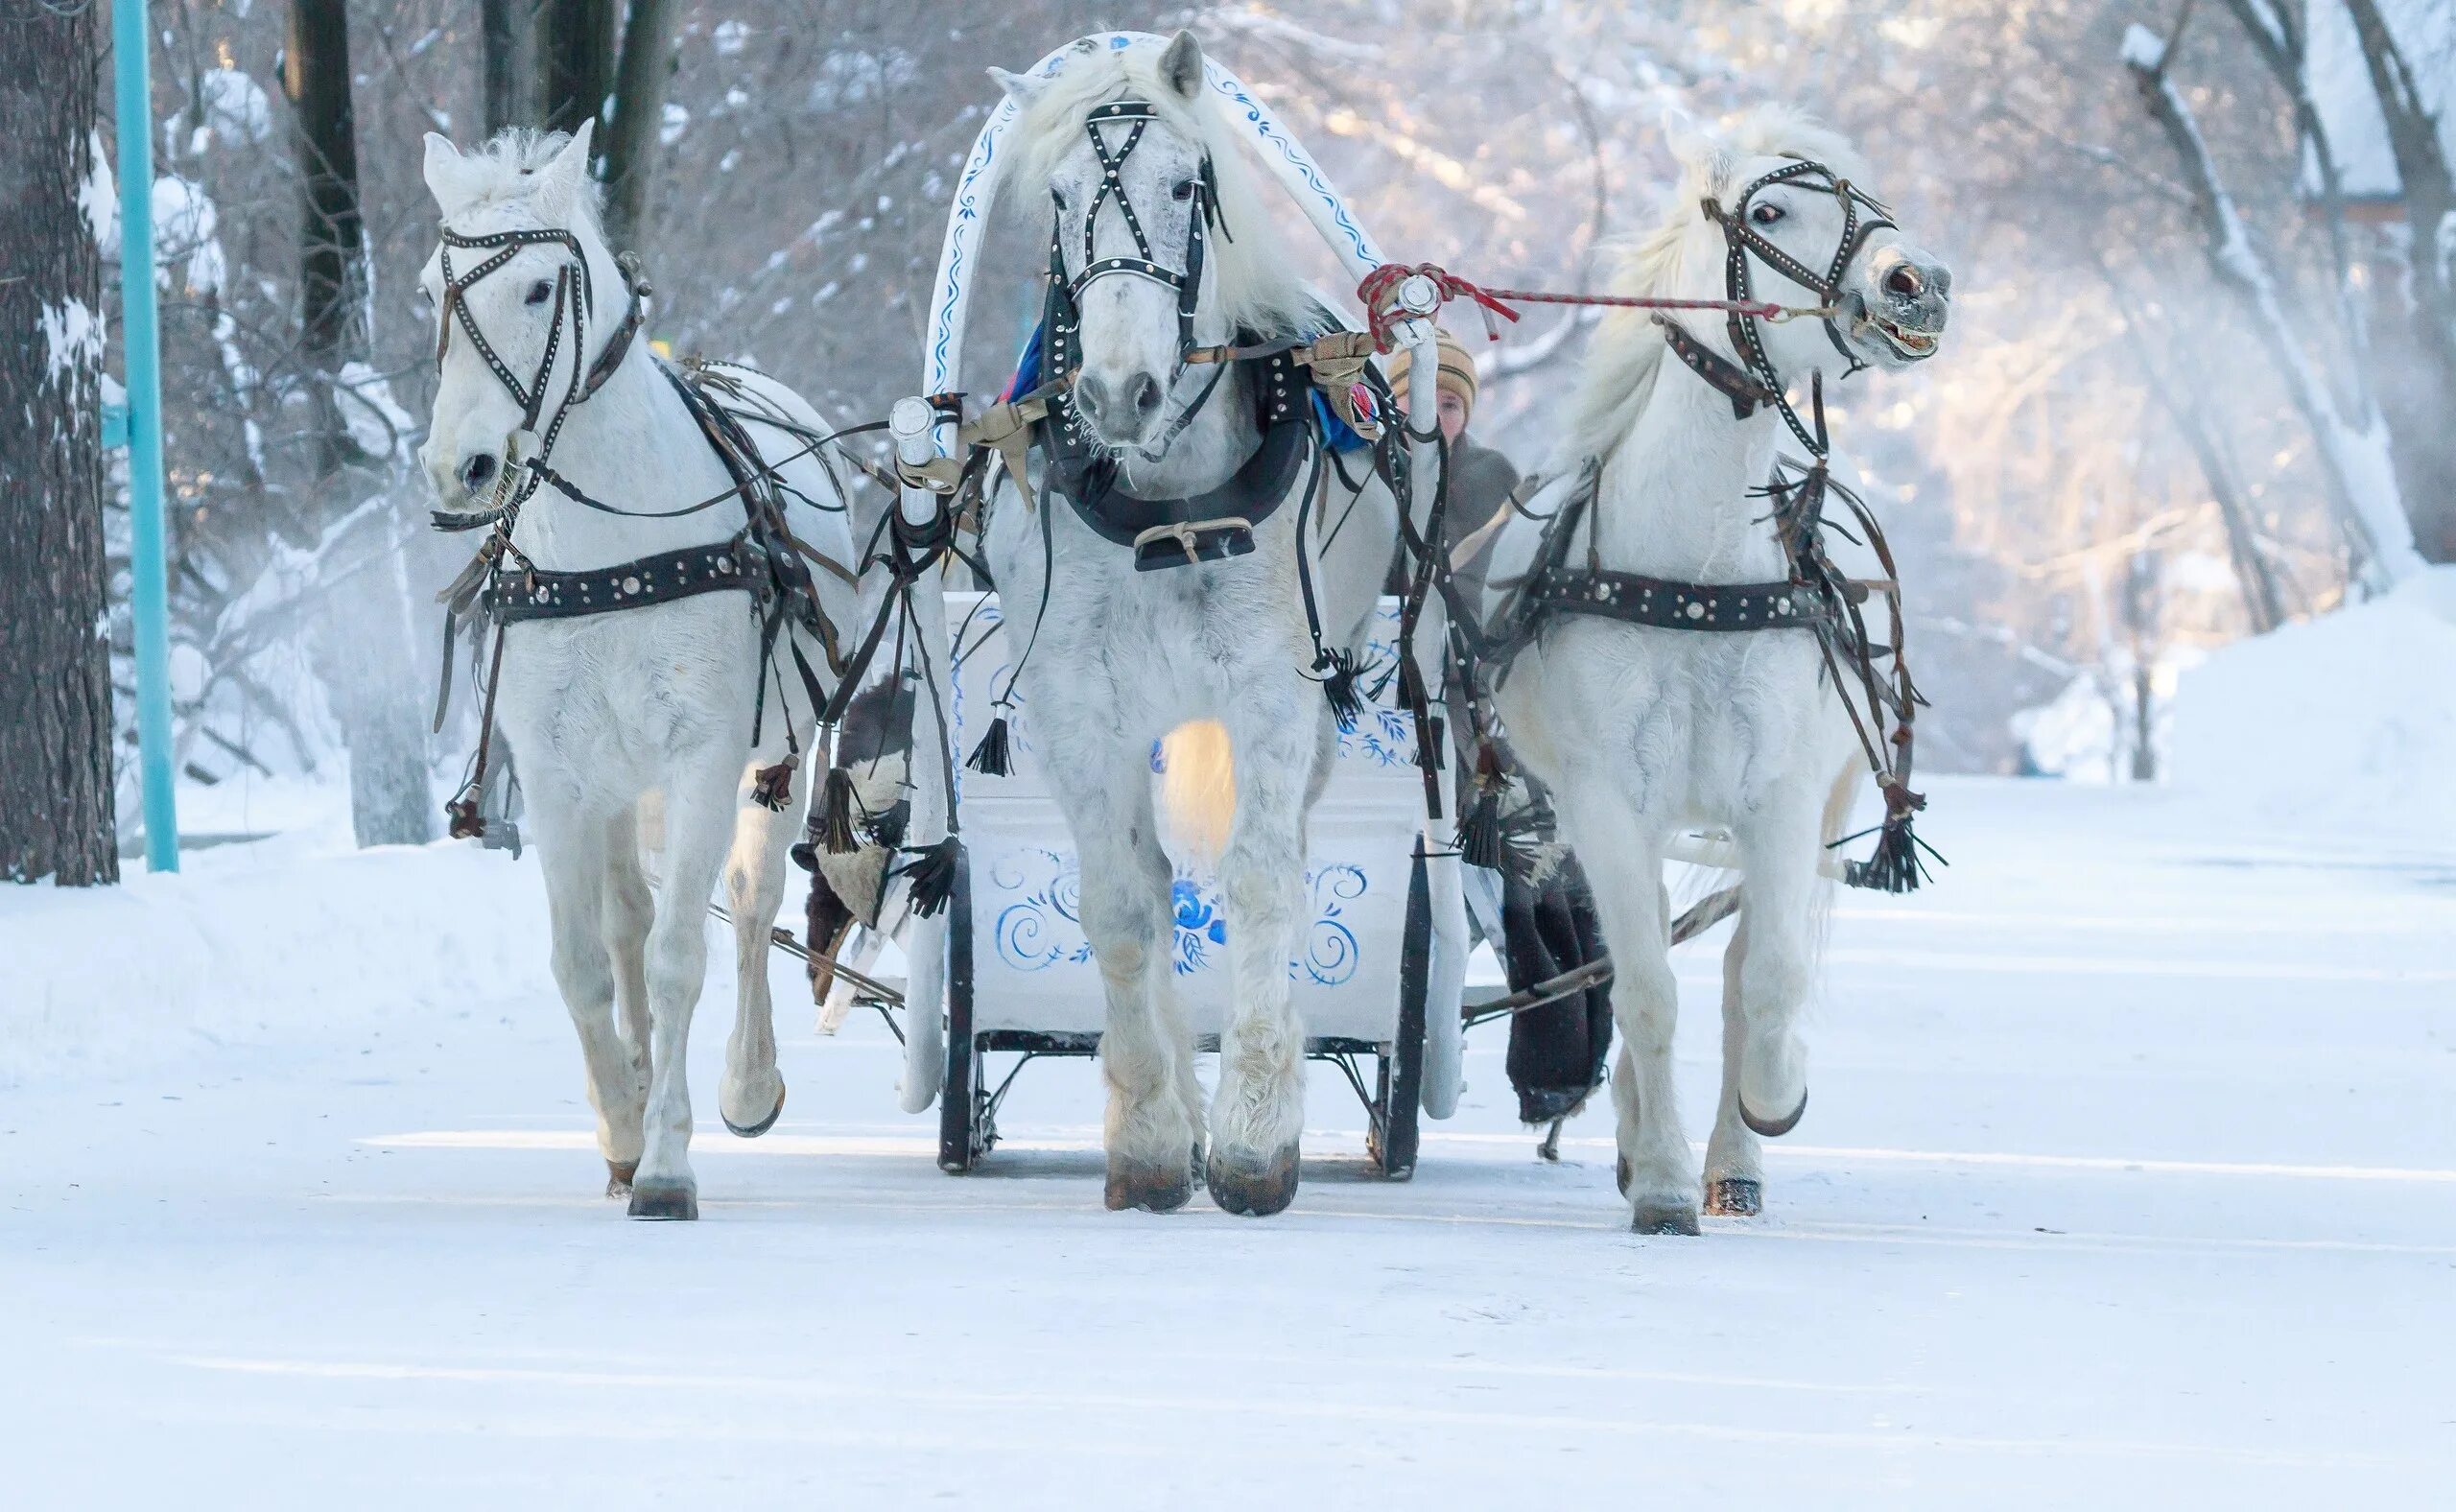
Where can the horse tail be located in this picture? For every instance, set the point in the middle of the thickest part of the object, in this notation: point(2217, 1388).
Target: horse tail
point(1198, 787)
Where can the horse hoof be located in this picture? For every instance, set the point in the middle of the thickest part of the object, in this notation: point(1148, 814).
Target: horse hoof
point(617, 1177)
point(1620, 1174)
point(1153, 1188)
point(1735, 1197)
point(754, 1131)
point(1253, 1190)
point(1774, 1128)
point(1663, 1218)
point(666, 1203)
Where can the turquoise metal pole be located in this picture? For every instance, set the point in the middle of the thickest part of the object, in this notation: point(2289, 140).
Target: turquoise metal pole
point(148, 590)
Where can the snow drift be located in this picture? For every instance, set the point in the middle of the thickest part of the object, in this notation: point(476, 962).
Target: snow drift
point(2345, 721)
point(259, 943)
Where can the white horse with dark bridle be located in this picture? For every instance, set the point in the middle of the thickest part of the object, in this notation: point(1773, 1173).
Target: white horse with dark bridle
point(1182, 551)
point(1683, 655)
point(659, 631)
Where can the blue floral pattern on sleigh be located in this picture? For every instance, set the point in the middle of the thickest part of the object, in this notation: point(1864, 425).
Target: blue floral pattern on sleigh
point(1041, 925)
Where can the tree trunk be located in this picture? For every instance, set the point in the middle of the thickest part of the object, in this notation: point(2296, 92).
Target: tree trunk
point(57, 816)
point(332, 238)
point(502, 27)
point(359, 644)
point(574, 60)
point(632, 147)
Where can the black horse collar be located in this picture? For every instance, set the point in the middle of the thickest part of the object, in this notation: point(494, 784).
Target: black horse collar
point(1211, 526)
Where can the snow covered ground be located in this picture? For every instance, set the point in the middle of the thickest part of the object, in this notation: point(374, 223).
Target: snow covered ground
point(2129, 1180)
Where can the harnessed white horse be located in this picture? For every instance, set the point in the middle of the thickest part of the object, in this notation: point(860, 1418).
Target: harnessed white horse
point(1687, 656)
point(660, 633)
point(1182, 551)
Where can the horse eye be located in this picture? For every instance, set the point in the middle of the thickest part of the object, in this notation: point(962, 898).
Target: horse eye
point(1059, 195)
point(1766, 213)
point(538, 293)
point(1184, 190)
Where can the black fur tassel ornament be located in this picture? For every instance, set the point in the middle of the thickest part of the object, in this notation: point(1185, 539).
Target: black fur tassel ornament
point(772, 789)
point(833, 823)
point(992, 757)
point(1479, 835)
point(931, 875)
point(1894, 866)
point(887, 826)
point(1339, 686)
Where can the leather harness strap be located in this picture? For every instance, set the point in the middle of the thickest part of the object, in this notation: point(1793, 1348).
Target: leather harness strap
point(1639, 599)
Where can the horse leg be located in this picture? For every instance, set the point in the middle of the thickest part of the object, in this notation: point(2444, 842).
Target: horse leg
point(1624, 865)
point(1735, 1170)
point(1257, 1112)
point(1779, 850)
point(573, 849)
point(698, 823)
point(751, 1093)
point(1149, 1131)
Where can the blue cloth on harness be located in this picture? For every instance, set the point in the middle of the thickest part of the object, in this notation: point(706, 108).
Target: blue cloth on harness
point(1333, 432)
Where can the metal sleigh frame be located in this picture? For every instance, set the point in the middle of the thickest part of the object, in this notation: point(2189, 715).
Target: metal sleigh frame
point(944, 1058)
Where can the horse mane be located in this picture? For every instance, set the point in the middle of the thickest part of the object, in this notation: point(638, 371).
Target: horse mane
point(503, 171)
point(1627, 351)
point(1252, 280)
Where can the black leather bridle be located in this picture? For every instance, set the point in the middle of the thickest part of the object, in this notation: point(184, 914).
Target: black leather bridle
point(1062, 319)
point(1752, 381)
point(575, 297)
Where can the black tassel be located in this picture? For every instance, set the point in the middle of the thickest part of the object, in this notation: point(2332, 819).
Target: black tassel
point(772, 789)
point(887, 825)
point(1347, 704)
point(1479, 835)
point(992, 757)
point(1894, 866)
point(931, 875)
point(833, 823)
point(1479, 841)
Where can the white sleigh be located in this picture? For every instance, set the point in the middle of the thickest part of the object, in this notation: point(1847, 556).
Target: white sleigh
point(1005, 969)
point(1021, 981)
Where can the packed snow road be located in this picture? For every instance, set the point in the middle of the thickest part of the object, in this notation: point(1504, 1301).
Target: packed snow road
point(2129, 1180)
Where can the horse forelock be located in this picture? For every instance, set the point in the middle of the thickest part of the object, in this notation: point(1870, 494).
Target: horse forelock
point(504, 172)
point(1253, 279)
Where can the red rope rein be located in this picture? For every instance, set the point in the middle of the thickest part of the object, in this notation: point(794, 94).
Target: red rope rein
point(1381, 286)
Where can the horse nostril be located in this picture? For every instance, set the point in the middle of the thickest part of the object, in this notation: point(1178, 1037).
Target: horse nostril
point(1905, 280)
point(1146, 390)
point(477, 472)
point(1092, 395)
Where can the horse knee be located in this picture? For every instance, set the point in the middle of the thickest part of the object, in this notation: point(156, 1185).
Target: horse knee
point(1645, 1000)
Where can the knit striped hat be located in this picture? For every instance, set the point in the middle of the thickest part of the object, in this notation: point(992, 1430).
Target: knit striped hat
point(1457, 371)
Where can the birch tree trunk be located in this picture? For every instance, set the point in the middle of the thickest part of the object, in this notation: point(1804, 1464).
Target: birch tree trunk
point(57, 816)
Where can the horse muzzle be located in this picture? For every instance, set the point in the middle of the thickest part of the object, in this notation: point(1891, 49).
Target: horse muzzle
point(1903, 311)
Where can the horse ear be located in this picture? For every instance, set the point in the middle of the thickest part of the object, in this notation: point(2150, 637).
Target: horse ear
point(563, 183)
point(1181, 65)
point(1021, 88)
point(451, 178)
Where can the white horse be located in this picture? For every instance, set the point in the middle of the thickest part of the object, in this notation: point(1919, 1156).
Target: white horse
point(613, 713)
point(1123, 657)
point(1642, 732)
